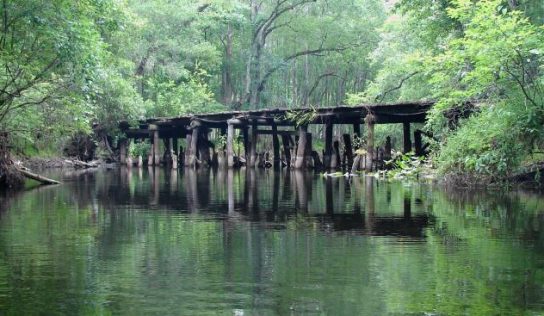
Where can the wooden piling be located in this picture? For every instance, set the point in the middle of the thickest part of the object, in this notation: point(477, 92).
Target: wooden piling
point(357, 130)
point(406, 137)
point(348, 149)
point(337, 160)
point(204, 147)
point(188, 141)
point(286, 140)
point(301, 146)
point(175, 145)
point(327, 153)
point(123, 144)
point(193, 148)
point(418, 143)
point(253, 146)
point(154, 151)
point(309, 162)
point(370, 120)
point(230, 145)
point(276, 146)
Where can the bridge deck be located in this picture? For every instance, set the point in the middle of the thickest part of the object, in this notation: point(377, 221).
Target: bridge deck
point(197, 126)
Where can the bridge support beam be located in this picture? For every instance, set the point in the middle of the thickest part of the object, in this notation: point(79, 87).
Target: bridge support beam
point(418, 143)
point(348, 150)
point(287, 141)
point(276, 147)
point(192, 149)
point(230, 145)
point(253, 146)
point(327, 153)
point(154, 154)
point(357, 129)
point(123, 150)
point(406, 137)
point(369, 120)
point(300, 161)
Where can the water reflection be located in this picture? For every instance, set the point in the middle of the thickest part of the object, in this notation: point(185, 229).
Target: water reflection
point(155, 241)
point(331, 203)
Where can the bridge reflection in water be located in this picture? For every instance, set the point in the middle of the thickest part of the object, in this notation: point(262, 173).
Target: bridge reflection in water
point(357, 205)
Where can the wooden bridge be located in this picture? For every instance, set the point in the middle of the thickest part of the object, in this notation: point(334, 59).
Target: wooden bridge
point(277, 123)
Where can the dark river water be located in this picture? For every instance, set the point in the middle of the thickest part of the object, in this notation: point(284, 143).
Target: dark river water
point(263, 243)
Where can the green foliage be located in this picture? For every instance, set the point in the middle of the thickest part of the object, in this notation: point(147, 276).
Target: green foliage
point(491, 143)
point(141, 149)
point(407, 167)
point(301, 117)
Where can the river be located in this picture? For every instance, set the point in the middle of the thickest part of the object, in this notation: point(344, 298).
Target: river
point(152, 241)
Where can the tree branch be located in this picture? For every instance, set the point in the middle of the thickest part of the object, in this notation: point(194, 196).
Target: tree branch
point(380, 97)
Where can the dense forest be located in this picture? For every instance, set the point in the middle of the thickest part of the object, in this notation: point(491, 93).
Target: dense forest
point(66, 65)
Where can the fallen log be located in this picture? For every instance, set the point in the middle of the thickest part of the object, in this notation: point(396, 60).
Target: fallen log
point(81, 164)
point(37, 177)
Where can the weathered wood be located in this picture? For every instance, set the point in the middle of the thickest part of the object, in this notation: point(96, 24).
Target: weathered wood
point(336, 153)
point(123, 147)
point(348, 149)
point(308, 152)
point(286, 140)
point(407, 143)
point(230, 146)
point(204, 147)
point(188, 141)
point(245, 138)
point(193, 149)
point(357, 130)
point(418, 143)
point(369, 120)
point(174, 161)
point(25, 172)
point(175, 146)
point(301, 147)
point(82, 164)
point(318, 165)
point(279, 132)
point(327, 151)
point(156, 152)
point(388, 148)
point(276, 147)
point(356, 164)
point(253, 146)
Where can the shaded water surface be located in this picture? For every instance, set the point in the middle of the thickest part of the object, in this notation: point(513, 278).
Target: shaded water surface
point(150, 241)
